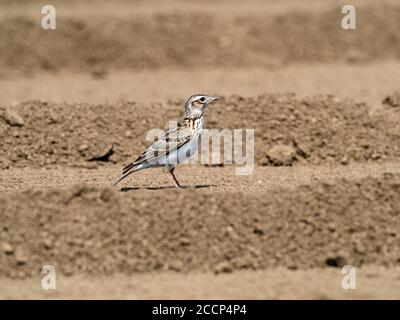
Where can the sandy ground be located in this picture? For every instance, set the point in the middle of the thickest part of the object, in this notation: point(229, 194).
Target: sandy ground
point(283, 232)
point(371, 283)
point(212, 179)
point(379, 80)
point(138, 7)
point(345, 206)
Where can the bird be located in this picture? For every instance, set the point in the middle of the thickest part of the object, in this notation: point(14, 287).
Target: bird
point(177, 144)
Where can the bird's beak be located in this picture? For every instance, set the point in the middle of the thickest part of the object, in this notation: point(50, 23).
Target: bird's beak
point(210, 100)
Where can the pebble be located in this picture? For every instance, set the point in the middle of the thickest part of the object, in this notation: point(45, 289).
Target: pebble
point(223, 267)
point(281, 155)
point(13, 118)
point(7, 248)
point(20, 256)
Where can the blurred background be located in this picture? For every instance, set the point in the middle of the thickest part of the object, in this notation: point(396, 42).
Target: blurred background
point(324, 192)
point(155, 50)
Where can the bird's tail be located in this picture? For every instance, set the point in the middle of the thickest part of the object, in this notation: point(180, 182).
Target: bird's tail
point(126, 172)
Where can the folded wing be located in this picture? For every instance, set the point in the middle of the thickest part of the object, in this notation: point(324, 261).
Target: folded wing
point(164, 145)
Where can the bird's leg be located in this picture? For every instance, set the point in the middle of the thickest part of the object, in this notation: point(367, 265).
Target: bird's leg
point(171, 176)
point(176, 181)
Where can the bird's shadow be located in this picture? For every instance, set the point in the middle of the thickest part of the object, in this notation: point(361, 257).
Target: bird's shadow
point(197, 186)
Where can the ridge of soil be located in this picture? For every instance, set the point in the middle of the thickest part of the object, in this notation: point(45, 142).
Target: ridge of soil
point(92, 230)
point(320, 129)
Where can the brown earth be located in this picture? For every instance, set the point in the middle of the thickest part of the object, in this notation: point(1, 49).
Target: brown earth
point(41, 133)
point(281, 232)
point(259, 227)
point(218, 179)
point(86, 229)
point(278, 283)
point(98, 44)
point(380, 80)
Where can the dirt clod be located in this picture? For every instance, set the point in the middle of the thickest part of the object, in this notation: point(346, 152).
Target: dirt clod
point(11, 117)
point(20, 255)
point(7, 248)
point(392, 100)
point(223, 267)
point(336, 262)
point(103, 156)
point(281, 155)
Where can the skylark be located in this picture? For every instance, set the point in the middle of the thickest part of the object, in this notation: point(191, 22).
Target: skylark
point(175, 145)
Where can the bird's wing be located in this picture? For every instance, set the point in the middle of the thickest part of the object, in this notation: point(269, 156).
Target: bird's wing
point(166, 144)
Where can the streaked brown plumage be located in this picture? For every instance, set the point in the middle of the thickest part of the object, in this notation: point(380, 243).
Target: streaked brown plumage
point(176, 144)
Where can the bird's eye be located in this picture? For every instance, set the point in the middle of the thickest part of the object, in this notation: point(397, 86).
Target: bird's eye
point(202, 99)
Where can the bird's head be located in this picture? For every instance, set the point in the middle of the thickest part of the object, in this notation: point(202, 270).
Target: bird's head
point(197, 103)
